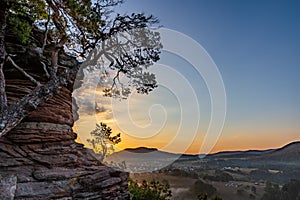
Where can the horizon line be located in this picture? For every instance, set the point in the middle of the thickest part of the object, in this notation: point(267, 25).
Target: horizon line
point(225, 151)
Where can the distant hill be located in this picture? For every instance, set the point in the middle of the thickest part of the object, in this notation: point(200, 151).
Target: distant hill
point(141, 153)
point(146, 151)
point(289, 152)
point(240, 154)
point(140, 150)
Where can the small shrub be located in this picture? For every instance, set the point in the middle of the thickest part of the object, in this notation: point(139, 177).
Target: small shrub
point(153, 190)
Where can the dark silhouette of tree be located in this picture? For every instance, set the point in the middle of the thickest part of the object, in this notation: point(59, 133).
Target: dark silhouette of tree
point(88, 30)
point(102, 140)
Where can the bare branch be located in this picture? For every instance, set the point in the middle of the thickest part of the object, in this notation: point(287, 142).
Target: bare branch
point(19, 110)
point(46, 31)
point(106, 54)
point(54, 57)
point(114, 79)
point(23, 72)
point(45, 69)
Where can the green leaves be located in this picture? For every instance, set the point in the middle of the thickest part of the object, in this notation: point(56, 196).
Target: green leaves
point(79, 26)
point(22, 15)
point(21, 28)
point(153, 190)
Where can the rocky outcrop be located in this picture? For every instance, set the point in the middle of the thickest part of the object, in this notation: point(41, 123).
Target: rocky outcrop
point(40, 158)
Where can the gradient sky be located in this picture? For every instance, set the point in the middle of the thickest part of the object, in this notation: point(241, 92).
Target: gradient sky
point(256, 47)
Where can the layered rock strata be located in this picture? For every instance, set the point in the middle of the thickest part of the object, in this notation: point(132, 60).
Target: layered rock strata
point(40, 158)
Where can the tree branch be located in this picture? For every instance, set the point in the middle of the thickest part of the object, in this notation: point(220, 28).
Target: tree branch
point(19, 110)
point(46, 31)
point(23, 72)
point(45, 69)
point(3, 98)
point(62, 32)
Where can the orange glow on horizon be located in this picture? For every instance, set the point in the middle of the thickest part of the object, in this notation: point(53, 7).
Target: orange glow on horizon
point(230, 143)
point(230, 139)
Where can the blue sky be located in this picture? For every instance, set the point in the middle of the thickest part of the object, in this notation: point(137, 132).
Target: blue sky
point(256, 47)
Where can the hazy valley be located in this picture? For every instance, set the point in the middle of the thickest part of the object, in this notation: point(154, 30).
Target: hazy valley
point(232, 174)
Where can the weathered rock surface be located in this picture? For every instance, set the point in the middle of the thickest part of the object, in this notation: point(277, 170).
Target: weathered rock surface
point(40, 158)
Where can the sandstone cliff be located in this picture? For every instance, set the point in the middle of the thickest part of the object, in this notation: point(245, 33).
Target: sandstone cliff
point(40, 158)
